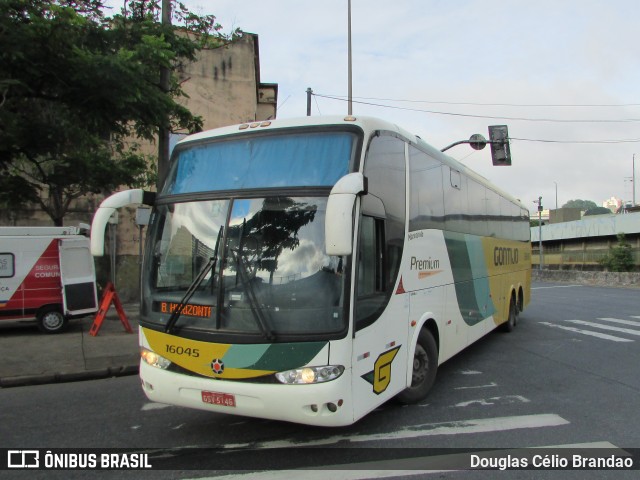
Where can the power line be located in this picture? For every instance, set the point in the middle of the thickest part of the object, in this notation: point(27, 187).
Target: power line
point(492, 117)
point(481, 104)
point(630, 140)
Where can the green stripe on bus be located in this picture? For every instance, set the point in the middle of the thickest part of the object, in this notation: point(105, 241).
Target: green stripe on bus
point(470, 276)
point(277, 357)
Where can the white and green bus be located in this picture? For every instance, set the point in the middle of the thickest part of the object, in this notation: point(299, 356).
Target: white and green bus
point(309, 270)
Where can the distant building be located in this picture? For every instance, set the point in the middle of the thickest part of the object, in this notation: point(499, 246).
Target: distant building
point(560, 215)
point(612, 204)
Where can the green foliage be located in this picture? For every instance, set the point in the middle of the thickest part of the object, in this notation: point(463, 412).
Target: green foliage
point(77, 87)
point(620, 257)
point(597, 211)
point(580, 204)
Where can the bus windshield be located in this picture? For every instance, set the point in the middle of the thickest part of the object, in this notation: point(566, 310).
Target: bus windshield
point(270, 277)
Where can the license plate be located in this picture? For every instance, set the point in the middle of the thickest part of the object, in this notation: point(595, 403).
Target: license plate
point(216, 398)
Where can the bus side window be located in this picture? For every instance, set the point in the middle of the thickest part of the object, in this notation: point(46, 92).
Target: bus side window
point(371, 295)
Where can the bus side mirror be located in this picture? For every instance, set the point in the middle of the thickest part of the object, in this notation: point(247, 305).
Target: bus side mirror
point(110, 205)
point(338, 222)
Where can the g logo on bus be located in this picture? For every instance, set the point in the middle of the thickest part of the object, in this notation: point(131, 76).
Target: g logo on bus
point(380, 376)
point(217, 366)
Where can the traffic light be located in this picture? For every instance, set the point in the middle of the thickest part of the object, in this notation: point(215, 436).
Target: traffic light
point(499, 139)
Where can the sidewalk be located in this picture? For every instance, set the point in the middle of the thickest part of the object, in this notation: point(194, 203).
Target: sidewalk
point(30, 357)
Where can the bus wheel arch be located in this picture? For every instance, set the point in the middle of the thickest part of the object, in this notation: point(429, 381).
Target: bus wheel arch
point(424, 364)
point(51, 319)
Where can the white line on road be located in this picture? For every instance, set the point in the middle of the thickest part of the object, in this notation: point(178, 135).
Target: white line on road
point(489, 385)
point(631, 323)
point(154, 406)
point(556, 286)
point(507, 399)
point(603, 336)
point(380, 469)
point(481, 425)
point(606, 327)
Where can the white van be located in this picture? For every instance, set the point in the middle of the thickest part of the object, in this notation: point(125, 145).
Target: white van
point(46, 274)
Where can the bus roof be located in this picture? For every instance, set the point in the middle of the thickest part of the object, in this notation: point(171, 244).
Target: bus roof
point(367, 124)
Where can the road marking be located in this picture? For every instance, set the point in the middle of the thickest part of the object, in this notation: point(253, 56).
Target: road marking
point(383, 469)
point(631, 323)
point(154, 406)
point(489, 385)
point(556, 286)
point(507, 399)
point(602, 336)
point(481, 425)
point(606, 327)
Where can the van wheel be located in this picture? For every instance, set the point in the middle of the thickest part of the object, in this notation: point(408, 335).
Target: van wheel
point(51, 320)
point(510, 324)
point(425, 366)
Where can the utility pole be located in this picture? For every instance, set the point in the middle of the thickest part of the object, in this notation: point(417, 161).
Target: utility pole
point(350, 94)
point(163, 132)
point(633, 181)
point(309, 92)
point(541, 263)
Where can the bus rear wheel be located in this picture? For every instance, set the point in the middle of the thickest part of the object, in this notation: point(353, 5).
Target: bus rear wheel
point(510, 324)
point(425, 366)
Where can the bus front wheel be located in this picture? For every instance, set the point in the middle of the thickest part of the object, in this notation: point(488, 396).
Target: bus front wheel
point(425, 366)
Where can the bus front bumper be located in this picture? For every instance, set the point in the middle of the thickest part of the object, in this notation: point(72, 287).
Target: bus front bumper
point(323, 404)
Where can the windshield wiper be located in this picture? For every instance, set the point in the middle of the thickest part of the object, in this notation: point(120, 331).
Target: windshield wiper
point(211, 265)
point(258, 313)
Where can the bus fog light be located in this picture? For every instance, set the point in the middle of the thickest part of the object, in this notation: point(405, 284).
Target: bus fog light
point(152, 358)
point(309, 375)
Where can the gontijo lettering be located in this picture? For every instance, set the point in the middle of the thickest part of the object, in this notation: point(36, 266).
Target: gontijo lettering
point(505, 256)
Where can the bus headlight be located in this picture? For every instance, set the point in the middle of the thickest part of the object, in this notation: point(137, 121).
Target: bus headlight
point(152, 358)
point(307, 375)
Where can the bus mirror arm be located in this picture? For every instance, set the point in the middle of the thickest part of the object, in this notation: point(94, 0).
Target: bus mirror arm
point(339, 220)
point(108, 206)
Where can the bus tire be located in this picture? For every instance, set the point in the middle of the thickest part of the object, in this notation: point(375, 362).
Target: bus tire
point(51, 320)
point(425, 367)
point(511, 322)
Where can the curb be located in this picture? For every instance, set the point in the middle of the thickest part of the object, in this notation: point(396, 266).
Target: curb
point(63, 377)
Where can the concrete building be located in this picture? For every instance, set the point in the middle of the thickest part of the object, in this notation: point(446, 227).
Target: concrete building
point(581, 244)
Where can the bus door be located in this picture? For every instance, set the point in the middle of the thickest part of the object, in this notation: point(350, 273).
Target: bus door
point(77, 272)
point(381, 326)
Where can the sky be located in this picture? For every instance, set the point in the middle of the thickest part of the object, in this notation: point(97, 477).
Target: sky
point(563, 75)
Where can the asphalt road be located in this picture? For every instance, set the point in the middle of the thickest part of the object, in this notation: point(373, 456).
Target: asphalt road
point(569, 374)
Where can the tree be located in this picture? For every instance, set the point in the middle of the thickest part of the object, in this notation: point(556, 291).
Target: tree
point(580, 204)
point(620, 257)
point(597, 211)
point(76, 88)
